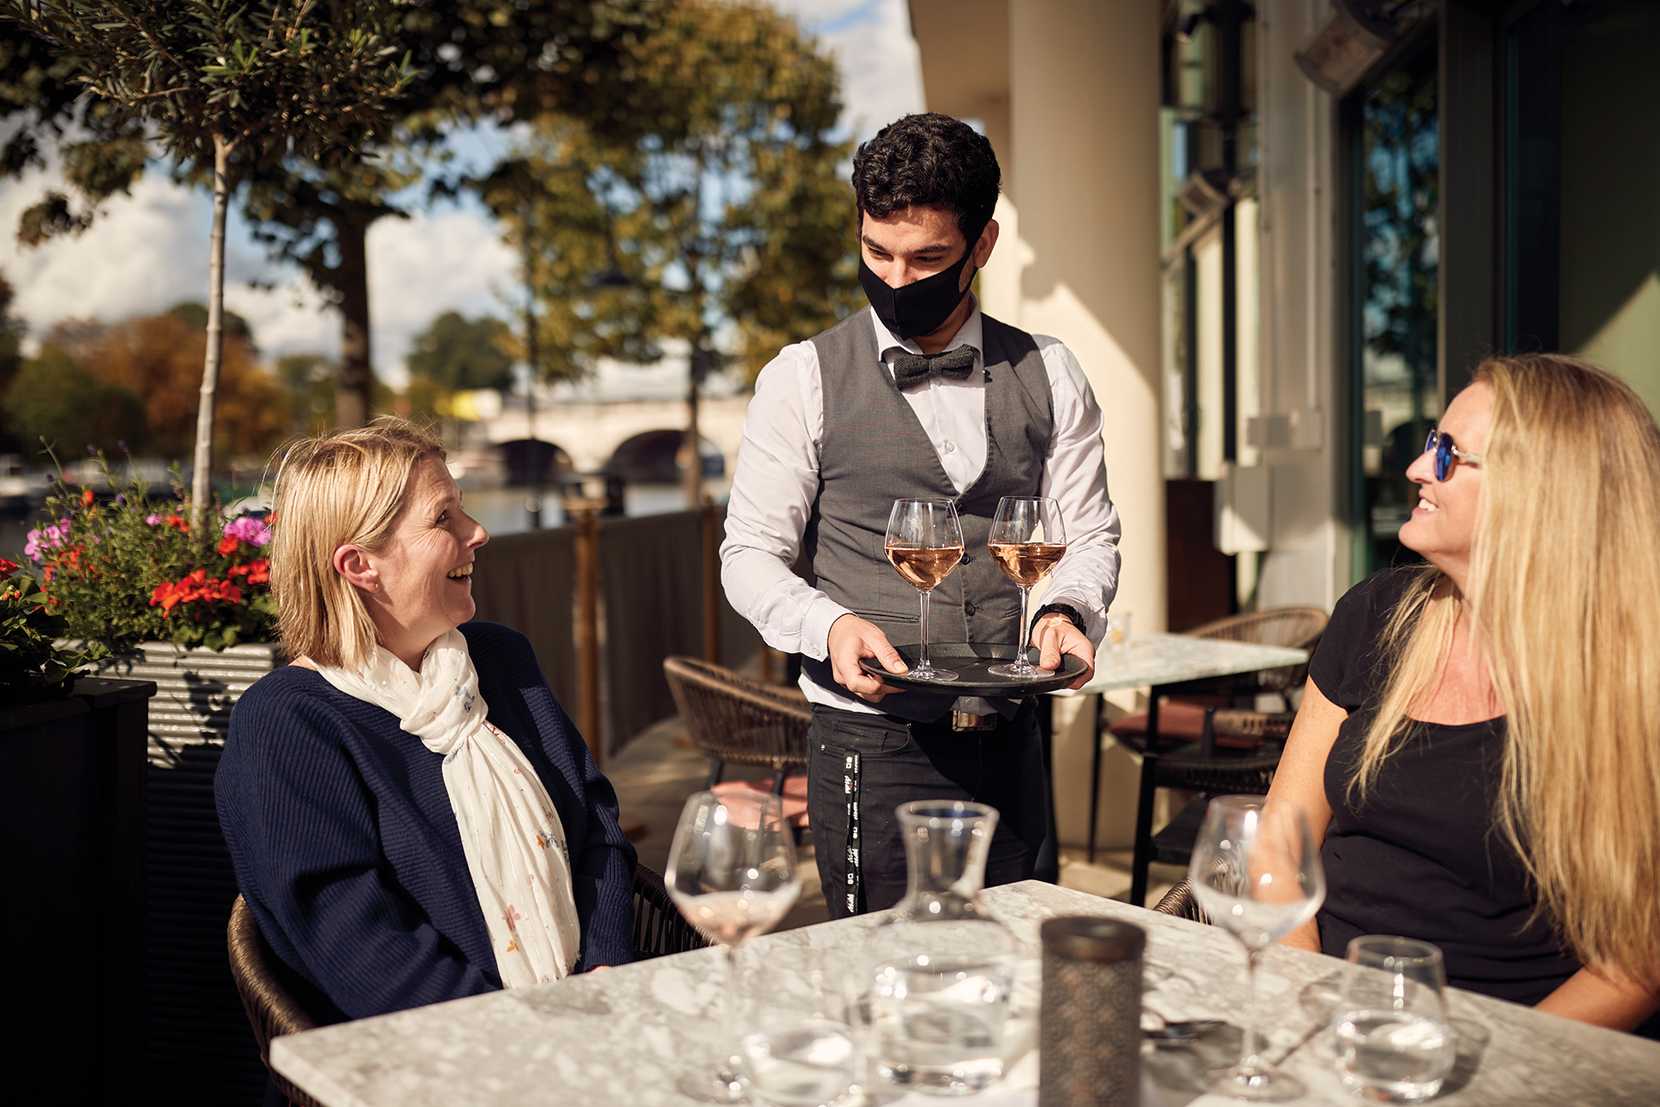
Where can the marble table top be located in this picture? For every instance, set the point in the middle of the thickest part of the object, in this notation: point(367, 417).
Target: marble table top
point(1152, 659)
point(626, 1035)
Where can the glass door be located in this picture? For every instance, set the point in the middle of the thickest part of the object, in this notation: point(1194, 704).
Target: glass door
point(1395, 303)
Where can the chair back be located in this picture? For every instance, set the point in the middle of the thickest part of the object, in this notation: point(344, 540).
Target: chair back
point(1181, 902)
point(659, 928)
point(732, 718)
point(276, 999)
point(1296, 627)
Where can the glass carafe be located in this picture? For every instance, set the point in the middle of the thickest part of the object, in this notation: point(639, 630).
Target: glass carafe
point(941, 968)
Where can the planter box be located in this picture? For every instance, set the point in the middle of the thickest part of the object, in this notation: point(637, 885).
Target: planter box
point(198, 1047)
point(71, 828)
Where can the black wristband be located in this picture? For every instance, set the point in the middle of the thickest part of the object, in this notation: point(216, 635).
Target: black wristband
point(1073, 615)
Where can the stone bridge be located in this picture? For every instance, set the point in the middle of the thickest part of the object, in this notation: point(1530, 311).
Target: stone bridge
point(640, 439)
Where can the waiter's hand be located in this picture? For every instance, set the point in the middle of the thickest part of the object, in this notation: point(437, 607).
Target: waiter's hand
point(1055, 635)
point(852, 638)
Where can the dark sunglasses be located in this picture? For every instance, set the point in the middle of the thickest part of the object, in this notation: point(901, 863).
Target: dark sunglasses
point(1446, 452)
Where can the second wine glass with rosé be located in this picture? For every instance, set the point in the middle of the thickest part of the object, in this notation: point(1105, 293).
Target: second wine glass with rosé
point(1027, 540)
point(924, 543)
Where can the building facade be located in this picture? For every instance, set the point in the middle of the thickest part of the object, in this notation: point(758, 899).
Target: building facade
point(1281, 234)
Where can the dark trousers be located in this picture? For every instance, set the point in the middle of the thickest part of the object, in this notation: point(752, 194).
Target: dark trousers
point(861, 767)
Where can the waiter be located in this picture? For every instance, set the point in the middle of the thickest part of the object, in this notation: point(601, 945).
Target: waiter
point(922, 397)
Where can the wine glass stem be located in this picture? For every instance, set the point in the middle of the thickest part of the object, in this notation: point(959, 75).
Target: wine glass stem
point(1250, 1058)
point(922, 650)
point(1025, 631)
point(732, 1030)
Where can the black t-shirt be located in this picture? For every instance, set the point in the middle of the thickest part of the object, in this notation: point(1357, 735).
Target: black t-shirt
point(1423, 856)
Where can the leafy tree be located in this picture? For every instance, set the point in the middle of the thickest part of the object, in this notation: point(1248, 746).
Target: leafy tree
point(500, 61)
point(55, 398)
point(727, 215)
point(195, 315)
point(227, 86)
point(308, 381)
point(157, 358)
point(457, 353)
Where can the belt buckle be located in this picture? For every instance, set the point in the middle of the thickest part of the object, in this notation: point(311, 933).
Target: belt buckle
point(968, 720)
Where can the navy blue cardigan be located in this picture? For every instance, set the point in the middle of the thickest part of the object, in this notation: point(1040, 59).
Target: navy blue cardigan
point(345, 847)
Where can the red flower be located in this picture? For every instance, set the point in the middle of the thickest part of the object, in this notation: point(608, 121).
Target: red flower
point(86, 497)
point(227, 545)
point(178, 523)
point(7, 568)
point(257, 571)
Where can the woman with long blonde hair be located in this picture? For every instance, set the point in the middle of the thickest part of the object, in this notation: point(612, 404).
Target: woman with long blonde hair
point(1479, 740)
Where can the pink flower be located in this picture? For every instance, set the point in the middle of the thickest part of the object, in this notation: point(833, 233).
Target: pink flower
point(248, 529)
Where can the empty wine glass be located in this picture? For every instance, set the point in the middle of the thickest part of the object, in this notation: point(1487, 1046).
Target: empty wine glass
point(1027, 540)
point(731, 872)
point(924, 543)
point(1256, 871)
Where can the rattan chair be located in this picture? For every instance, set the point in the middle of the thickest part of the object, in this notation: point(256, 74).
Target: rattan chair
point(1181, 902)
point(1203, 744)
point(279, 1001)
point(734, 719)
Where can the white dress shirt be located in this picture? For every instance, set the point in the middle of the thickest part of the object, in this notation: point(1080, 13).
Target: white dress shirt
point(777, 478)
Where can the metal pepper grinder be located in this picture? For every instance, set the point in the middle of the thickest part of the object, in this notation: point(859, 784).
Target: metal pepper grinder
point(1089, 1035)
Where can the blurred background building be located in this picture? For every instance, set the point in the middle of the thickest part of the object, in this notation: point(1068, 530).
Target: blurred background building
point(1281, 235)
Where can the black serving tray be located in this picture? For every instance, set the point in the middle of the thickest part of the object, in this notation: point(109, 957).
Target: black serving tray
point(972, 663)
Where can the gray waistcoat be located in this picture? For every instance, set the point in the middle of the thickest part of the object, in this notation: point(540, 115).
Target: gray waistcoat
point(875, 451)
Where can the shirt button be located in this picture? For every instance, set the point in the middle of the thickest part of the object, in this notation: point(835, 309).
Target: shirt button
point(968, 607)
point(948, 447)
point(967, 557)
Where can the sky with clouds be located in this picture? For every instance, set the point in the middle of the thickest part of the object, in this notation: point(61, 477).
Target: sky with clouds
point(149, 250)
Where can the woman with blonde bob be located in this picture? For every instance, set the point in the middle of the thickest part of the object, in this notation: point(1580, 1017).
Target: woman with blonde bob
point(411, 816)
point(1479, 742)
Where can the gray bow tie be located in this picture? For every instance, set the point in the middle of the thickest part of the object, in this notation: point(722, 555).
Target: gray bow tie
point(911, 369)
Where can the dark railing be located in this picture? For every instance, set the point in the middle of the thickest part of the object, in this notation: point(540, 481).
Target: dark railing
point(604, 601)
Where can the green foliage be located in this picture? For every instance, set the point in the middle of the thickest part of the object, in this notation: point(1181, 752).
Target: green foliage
point(724, 208)
point(194, 315)
point(129, 569)
point(457, 353)
point(53, 398)
point(32, 663)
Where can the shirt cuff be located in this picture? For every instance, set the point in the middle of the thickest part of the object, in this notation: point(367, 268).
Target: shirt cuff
point(815, 626)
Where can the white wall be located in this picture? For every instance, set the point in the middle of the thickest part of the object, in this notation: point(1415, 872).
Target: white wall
point(1299, 366)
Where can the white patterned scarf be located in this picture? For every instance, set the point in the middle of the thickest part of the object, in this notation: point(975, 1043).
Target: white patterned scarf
point(510, 831)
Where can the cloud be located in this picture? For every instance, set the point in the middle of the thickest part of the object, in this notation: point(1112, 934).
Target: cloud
point(432, 262)
point(147, 251)
point(871, 40)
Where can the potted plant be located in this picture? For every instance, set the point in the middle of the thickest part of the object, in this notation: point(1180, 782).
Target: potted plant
point(122, 570)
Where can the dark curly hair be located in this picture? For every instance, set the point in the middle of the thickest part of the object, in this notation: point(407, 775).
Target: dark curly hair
point(930, 160)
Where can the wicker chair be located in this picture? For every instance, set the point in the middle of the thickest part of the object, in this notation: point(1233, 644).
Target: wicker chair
point(279, 1001)
point(1181, 902)
point(734, 719)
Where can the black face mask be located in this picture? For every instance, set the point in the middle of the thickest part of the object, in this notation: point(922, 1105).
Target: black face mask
point(917, 308)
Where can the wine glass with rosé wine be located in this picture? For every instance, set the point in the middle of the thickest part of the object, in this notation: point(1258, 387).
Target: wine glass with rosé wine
point(1027, 540)
point(924, 543)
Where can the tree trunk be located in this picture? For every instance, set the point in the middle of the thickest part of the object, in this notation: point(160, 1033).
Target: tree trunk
point(691, 454)
point(201, 485)
point(354, 389)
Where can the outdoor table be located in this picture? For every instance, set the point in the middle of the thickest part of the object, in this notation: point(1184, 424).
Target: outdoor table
point(625, 1036)
point(1165, 663)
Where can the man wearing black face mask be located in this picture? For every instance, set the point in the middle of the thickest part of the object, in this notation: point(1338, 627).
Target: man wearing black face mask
point(922, 397)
